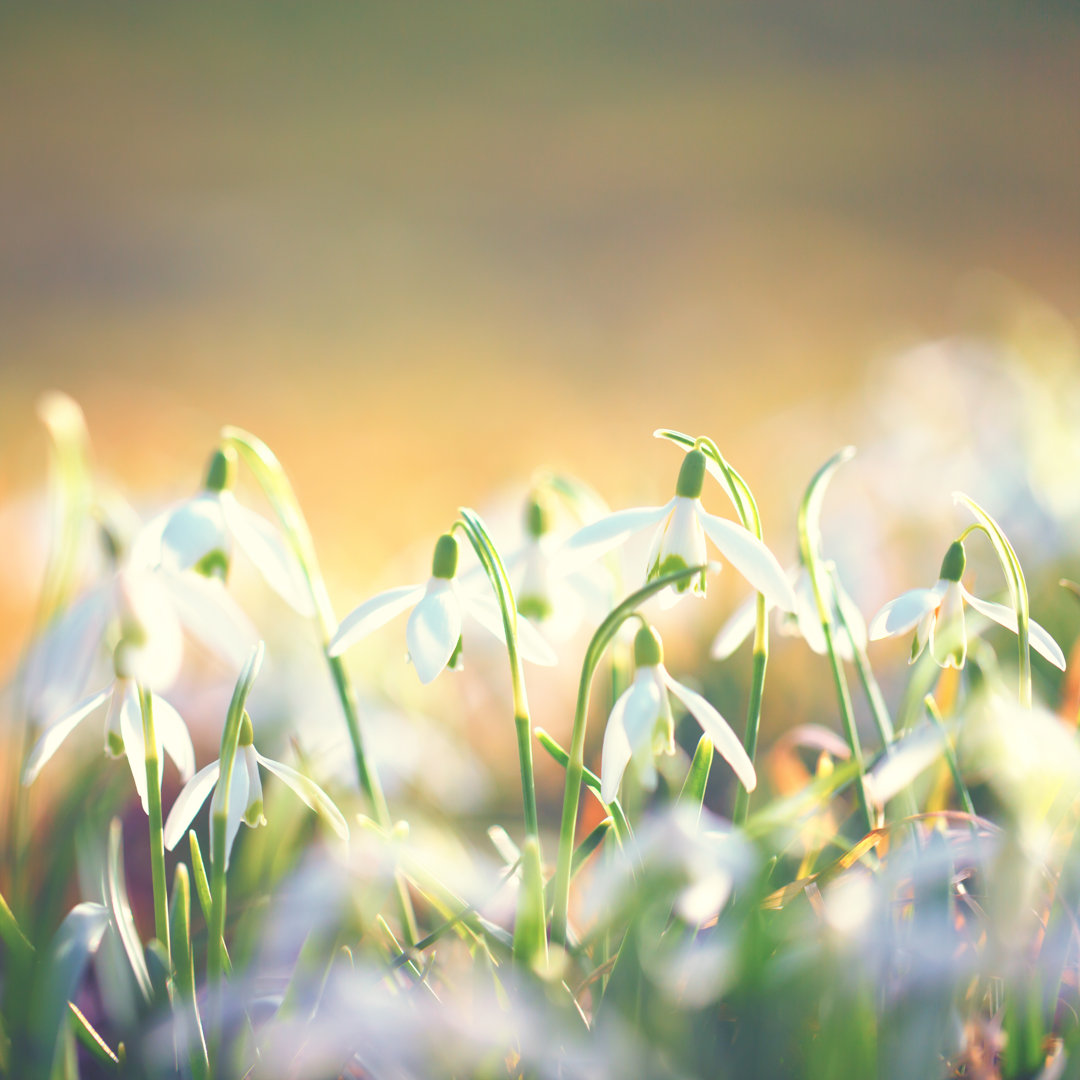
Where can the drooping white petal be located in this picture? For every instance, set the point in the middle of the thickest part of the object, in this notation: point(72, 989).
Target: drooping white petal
point(189, 532)
point(58, 731)
point(856, 624)
point(736, 630)
point(152, 641)
point(189, 802)
point(238, 795)
point(269, 552)
point(531, 643)
point(616, 752)
point(591, 541)
point(751, 558)
point(1041, 641)
point(210, 614)
point(253, 811)
point(131, 731)
point(903, 614)
point(173, 735)
point(434, 629)
point(61, 662)
point(308, 792)
point(682, 538)
point(646, 706)
point(948, 634)
point(726, 743)
point(807, 619)
point(922, 635)
point(372, 614)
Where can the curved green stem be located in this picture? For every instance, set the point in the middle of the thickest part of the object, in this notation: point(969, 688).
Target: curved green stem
point(747, 509)
point(279, 492)
point(576, 764)
point(1014, 575)
point(157, 843)
point(471, 524)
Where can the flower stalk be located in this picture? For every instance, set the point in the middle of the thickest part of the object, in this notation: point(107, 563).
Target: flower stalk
point(576, 764)
point(157, 845)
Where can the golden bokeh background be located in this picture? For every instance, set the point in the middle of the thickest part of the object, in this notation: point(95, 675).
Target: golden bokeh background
point(422, 249)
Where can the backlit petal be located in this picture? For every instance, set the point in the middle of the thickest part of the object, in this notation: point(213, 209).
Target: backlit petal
point(591, 541)
point(173, 735)
point(210, 614)
point(189, 802)
point(751, 558)
point(903, 614)
point(616, 752)
point(131, 731)
point(1005, 616)
point(273, 558)
point(434, 629)
point(726, 743)
point(308, 792)
point(57, 732)
point(531, 643)
point(372, 614)
point(736, 630)
point(189, 532)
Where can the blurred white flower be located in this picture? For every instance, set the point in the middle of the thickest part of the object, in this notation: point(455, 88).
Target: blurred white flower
point(124, 733)
point(200, 533)
point(937, 616)
point(433, 632)
point(803, 621)
point(245, 794)
point(679, 542)
point(641, 726)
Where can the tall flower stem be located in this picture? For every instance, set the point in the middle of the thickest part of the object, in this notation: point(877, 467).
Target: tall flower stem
point(473, 527)
point(809, 547)
point(1014, 575)
point(279, 492)
point(219, 818)
point(157, 843)
point(746, 507)
point(575, 766)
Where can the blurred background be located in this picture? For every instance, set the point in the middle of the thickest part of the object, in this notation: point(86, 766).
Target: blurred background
point(422, 250)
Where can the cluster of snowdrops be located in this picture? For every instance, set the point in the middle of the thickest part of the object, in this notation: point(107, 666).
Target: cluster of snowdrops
point(906, 909)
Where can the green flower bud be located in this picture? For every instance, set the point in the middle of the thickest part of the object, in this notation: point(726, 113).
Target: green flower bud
point(691, 475)
point(537, 517)
point(952, 566)
point(444, 562)
point(221, 472)
point(247, 732)
point(648, 649)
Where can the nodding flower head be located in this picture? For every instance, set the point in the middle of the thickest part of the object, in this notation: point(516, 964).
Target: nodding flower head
point(937, 617)
point(679, 541)
point(433, 632)
point(641, 725)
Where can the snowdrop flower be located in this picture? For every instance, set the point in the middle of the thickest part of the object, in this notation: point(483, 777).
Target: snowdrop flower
point(245, 794)
point(137, 660)
point(163, 604)
point(433, 632)
point(679, 542)
point(804, 621)
point(937, 616)
point(201, 532)
point(641, 725)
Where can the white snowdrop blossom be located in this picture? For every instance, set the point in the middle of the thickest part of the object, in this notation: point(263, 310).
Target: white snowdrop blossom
point(937, 617)
point(124, 732)
point(201, 533)
point(162, 605)
point(641, 724)
point(245, 794)
point(433, 632)
point(679, 542)
point(804, 621)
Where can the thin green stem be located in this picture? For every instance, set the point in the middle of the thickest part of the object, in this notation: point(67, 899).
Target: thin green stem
point(950, 754)
point(576, 763)
point(1018, 592)
point(471, 524)
point(190, 1036)
point(157, 843)
point(278, 489)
